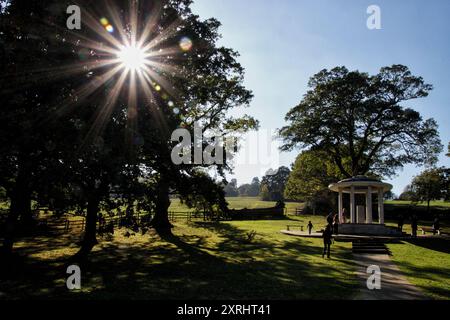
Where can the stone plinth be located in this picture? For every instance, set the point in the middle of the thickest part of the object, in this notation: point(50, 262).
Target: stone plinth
point(368, 229)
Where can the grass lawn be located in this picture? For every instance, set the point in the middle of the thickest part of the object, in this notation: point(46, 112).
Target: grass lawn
point(239, 203)
point(214, 260)
point(426, 264)
point(444, 204)
point(204, 260)
point(445, 227)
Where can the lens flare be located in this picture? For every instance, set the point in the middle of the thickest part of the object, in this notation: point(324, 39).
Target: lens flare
point(104, 22)
point(121, 58)
point(109, 28)
point(186, 44)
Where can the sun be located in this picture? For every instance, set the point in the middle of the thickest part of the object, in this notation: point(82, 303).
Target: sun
point(134, 53)
point(132, 58)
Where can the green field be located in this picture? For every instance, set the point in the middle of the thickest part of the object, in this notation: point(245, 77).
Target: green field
point(426, 264)
point(443, 204)
point(203, 260)
point(215, 260)
point(239, 203)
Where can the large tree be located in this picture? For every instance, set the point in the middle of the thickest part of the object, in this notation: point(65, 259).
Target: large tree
point(351, 114)
point(274, 183)
point(114, 135)
point(312, 173)
point(32, 141)
point(432, 184)
point(202, 85)
point(231, 188)
point(250, 189)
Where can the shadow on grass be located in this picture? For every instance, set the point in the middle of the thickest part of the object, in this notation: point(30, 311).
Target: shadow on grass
point(188, 267)
point(434, 280)
point(435, 244)
point(428, 270)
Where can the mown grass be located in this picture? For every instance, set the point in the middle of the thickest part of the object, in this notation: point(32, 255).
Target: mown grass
point(444, 204)
point(203, 260)
point(445, 227)
point(213, 260)
point(238, 203)
point(426, 264)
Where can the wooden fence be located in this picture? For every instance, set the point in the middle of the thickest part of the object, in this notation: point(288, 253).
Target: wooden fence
point(77, 223)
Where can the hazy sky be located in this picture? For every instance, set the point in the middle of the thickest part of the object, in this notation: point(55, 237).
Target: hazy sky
point(282, 43)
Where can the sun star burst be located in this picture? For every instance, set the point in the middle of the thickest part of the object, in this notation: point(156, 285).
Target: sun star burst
point(132, 58)
point(124, 53)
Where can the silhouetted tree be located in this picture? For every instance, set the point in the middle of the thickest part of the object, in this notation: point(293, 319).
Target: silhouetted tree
point(206, 86)
point(31, 139)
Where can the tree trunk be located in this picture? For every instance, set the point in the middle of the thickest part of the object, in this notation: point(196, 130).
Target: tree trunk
point(90, 234)
point(26, 217)
point(161, 219)
point(20, 206)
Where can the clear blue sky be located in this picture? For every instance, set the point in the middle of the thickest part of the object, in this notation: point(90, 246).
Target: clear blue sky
point(282, 43)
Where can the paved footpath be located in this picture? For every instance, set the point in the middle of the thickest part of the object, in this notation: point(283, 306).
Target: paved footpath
point(394, 285)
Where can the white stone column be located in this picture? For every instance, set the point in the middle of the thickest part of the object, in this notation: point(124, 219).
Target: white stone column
point(369, 215)
point(340, 204)
point(381, 205)
point(352, 205)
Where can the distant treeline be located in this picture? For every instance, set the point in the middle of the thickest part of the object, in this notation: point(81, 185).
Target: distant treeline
point(270, 188)
point(394, 211)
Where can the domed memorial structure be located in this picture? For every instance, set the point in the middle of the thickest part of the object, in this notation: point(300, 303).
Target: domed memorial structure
point(361, 220)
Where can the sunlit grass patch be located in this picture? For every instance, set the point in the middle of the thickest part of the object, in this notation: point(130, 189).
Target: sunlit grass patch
point(426, 264)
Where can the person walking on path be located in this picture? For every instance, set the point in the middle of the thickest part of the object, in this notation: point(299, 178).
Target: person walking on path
point(336, 224)
point(344, 216)
point(310, 227)
point(330, 218)
point(436, 226)
point(414, 226)
point(327, 237)
point(400, 223)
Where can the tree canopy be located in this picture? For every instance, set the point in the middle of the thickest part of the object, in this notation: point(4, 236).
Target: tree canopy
point(431, 184)
point(312, 173)
point(353, 115)
point(77, 128)
point(273, 184)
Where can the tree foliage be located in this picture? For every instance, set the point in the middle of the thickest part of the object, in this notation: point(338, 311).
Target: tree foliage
point(250, 189)
point(68, 141)
point(231, 188)
point(432, 184)
point(273, 184)
point(352, 115)
point(312, 173)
